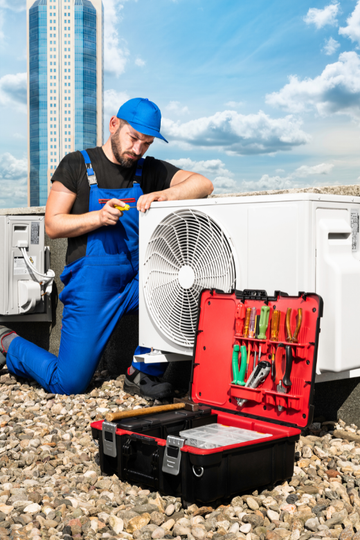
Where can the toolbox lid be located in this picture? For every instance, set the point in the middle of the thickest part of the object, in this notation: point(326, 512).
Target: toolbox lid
point(219, 329)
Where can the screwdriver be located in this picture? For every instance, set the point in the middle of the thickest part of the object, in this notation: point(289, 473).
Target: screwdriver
point(247, 322)
point(264, 321)
point(122, 208)
point(252, 324)
point(274, 336)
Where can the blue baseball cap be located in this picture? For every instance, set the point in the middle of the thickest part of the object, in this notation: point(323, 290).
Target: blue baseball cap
point(143, 115)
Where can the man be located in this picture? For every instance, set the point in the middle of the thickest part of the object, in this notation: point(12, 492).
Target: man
point(102, 262)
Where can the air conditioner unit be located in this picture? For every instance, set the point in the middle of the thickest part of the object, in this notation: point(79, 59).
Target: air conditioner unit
point(291, 242)
point(25, 277)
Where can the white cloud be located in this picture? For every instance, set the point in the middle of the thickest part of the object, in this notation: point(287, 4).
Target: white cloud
point(214, 169)
point(112, 102)
point(322, 17)
point(291, 181)
point(13, 89)
point(210, 167)
point(13, 181)
point(352, 30)
point(234, 104)
point(238, 134)
point(175, 107)
point(14, 5)
point(335, 91)
point(223, 184)
point(115, 49)
point(331, 46)
point(139, 62)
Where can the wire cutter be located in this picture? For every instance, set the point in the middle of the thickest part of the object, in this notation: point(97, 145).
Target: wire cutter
point(293, 338)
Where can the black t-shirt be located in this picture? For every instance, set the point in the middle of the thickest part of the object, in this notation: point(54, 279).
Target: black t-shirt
point(71, 172)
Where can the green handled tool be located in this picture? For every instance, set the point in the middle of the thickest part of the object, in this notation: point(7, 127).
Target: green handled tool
point(264, 321)
point(241, 379)
point(235, 363)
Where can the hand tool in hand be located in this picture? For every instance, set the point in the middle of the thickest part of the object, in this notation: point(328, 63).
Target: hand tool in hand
point(283, 373)
point(252, 323)
point(235, 363)
point(293, 338)
point(247, 322)
point(274, 336)
point(239, 318)
point(241, 379)
point(264, 321)
point(258, 376)
point(121, 208)
point(119, 415)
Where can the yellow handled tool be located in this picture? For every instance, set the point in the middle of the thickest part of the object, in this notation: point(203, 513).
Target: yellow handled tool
point(122, 208)
point(293, 338)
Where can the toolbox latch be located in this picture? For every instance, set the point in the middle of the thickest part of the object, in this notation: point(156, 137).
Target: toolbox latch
point(172, 455)
point(109, 439)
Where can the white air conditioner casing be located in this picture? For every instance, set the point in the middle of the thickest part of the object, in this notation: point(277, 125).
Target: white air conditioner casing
point(291, 242)
point(23, 263)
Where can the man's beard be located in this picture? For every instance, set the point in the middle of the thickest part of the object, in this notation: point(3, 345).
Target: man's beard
point(124, 161)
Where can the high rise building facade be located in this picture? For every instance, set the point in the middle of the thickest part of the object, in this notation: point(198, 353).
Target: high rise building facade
point(65, 85)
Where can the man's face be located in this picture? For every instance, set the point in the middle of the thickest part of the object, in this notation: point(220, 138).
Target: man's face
point(129, 145)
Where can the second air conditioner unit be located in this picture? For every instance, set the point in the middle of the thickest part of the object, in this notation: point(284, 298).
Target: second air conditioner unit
point(291, 242)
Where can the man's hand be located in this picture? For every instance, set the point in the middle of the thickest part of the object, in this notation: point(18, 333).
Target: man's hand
point(184, 185)
point(60, 223)
point(109, 215)
point(144, 202)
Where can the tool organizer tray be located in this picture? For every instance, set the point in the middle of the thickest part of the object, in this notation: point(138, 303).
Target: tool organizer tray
point(226, 315)
point(149, 451)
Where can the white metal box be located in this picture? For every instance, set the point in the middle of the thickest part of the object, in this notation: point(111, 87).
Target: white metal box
point(291, 242)
point(19, 292)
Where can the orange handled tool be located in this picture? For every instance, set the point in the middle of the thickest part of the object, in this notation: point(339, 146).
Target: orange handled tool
point(247, 322)
point(293, 338)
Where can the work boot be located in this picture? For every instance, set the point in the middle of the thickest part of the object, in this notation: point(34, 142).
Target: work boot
point(6, 337)
point(147, 386)
point(2, 361)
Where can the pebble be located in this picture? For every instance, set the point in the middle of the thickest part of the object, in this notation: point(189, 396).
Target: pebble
point(51, 486)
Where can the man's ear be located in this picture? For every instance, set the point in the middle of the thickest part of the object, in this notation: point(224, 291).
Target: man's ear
point(114, 124)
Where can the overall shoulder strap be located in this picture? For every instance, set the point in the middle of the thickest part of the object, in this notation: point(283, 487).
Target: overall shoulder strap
point(139, 169)
point(89, 170)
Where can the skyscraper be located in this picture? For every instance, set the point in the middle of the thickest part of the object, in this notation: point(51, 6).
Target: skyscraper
point(65, 85)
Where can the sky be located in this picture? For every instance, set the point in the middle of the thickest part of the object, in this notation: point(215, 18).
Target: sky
point(254, 95)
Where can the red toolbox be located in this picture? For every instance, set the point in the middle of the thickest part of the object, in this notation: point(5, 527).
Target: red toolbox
point(253, 378)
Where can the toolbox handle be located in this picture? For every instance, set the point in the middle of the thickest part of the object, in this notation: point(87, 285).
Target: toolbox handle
point(142, 438)
point(253, 294)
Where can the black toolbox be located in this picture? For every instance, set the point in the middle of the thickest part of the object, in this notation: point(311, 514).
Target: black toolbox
point(242, 337)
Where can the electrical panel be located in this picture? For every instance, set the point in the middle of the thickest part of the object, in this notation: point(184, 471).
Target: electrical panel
point(25, 276)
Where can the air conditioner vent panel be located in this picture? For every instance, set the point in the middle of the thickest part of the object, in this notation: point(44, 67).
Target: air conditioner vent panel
point(187, 252)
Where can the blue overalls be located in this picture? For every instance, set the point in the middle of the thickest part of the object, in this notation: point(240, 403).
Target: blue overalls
point(98, 290)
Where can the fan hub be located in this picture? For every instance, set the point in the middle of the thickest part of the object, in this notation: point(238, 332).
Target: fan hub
point(186, 277)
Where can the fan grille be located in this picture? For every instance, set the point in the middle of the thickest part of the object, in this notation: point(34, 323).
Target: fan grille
point(187, 252)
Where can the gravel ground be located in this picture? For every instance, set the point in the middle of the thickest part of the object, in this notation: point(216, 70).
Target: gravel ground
point(51, 485)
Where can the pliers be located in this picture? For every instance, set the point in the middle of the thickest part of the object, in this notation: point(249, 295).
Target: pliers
point(293, 338)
